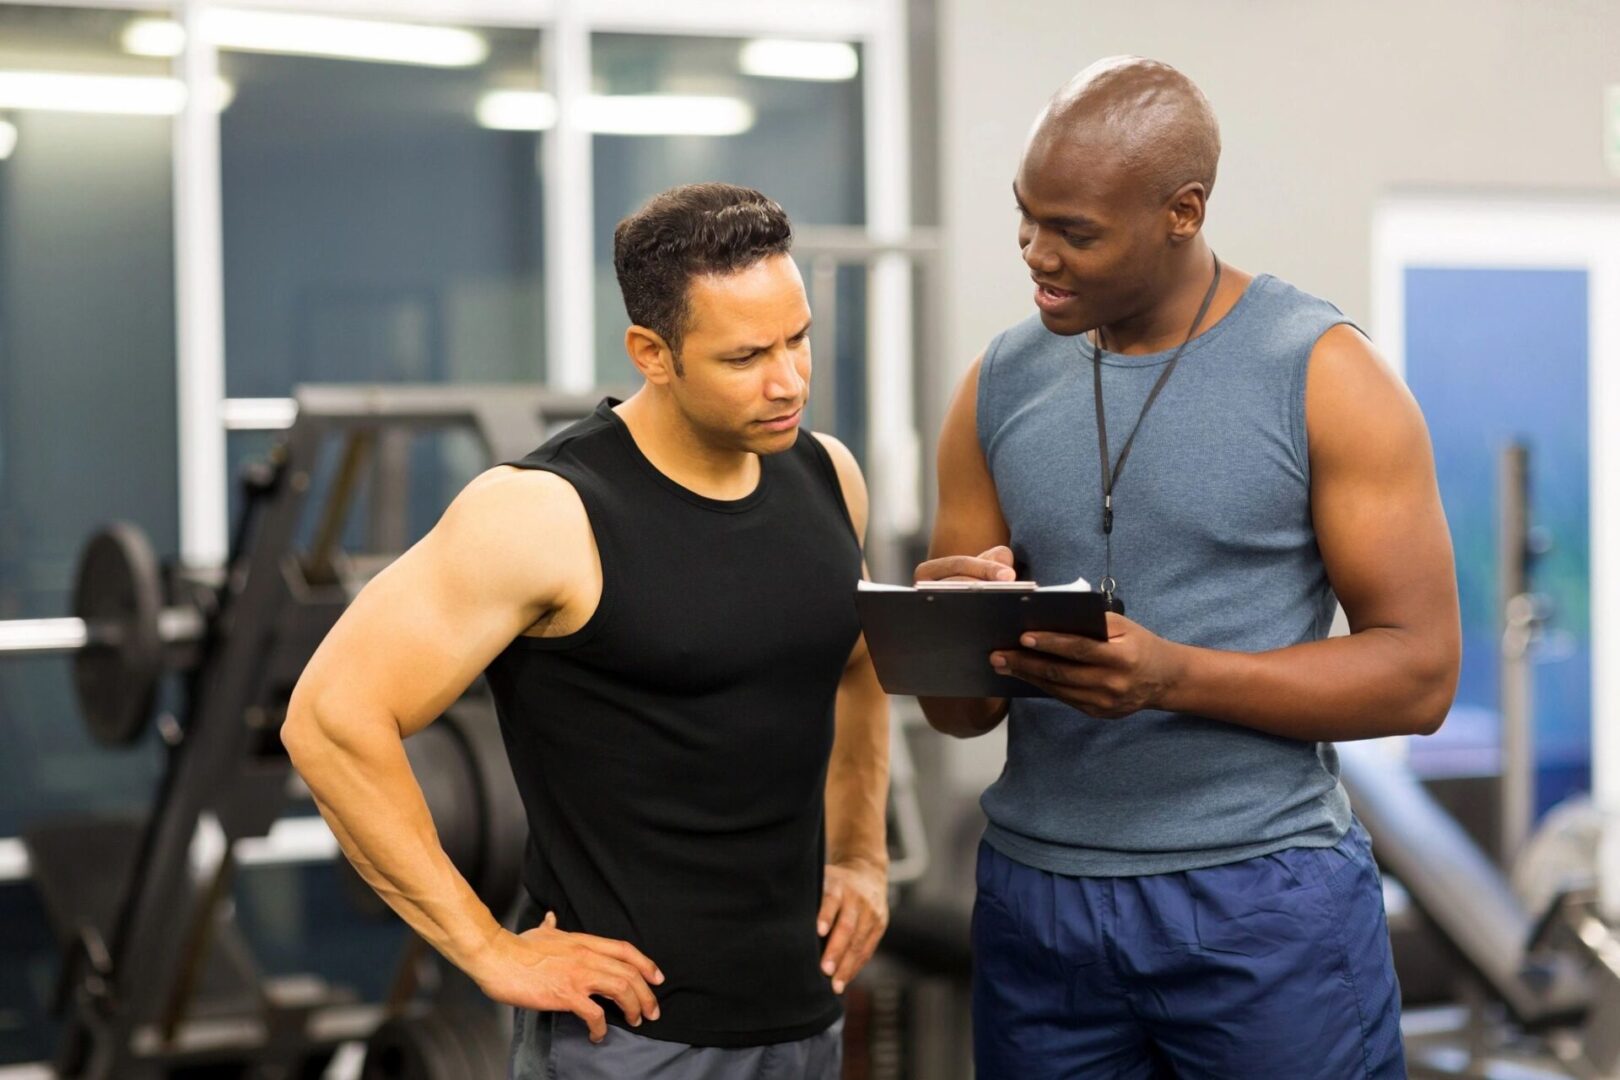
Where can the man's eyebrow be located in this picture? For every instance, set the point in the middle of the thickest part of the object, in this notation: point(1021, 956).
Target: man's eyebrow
point(1077, 221)
point(751, 348)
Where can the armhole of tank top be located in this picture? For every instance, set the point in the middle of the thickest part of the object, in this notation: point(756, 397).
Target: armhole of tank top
point(829, 473)
point(1297, 418)
point(983, 427)
point(604, 556)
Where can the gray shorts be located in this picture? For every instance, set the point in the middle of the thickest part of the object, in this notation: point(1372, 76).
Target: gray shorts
point(557, 1046)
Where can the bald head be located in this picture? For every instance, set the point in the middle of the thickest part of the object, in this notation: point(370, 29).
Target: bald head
point(1150, 118)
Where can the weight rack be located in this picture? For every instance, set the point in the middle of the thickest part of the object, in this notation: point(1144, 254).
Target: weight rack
point(135, 959)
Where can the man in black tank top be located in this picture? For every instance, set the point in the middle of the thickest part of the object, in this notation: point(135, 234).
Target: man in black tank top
point(662, 599)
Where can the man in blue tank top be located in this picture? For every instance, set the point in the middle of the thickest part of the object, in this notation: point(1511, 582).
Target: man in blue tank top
point(1171, 882)
point(662, 600)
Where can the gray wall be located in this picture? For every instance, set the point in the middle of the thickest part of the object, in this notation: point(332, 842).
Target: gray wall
point(1324, 107)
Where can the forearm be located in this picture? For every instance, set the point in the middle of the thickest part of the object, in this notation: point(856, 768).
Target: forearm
point(965, 718)
point(1377, 682)
point(858, 775)
point(356, 768)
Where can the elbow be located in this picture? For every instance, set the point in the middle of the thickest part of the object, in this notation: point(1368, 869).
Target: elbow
point(962, 718)
point(1430, 703)
point(301, 730)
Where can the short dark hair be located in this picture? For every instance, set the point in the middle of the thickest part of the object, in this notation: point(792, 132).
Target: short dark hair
point(684, 232)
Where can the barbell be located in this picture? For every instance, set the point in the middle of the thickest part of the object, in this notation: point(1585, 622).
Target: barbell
point(121, 636)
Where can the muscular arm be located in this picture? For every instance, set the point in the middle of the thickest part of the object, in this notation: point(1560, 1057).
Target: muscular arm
point(968, 522)
point(1383, 537)
point(404, 650)
point(857, 787)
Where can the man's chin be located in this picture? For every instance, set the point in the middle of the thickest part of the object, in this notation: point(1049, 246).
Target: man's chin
point(759, 441)
point(1067, 326)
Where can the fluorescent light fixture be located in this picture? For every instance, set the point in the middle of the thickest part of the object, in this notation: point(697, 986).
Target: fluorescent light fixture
point(154, 37)
point(54, 91)
point(258, 414)
point(818, 61)
point(122, 95)
point(314, 35)
point(8, 139)
point(619, 114)
point(517, 110)
point(666, 114)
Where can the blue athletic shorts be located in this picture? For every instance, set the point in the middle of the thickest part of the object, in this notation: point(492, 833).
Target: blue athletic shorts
point(1277, 966)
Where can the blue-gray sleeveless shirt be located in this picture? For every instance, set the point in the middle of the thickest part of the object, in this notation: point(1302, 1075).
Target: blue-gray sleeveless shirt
point(1213, 546)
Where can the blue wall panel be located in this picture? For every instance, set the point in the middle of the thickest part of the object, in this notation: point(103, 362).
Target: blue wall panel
point(1496, 355)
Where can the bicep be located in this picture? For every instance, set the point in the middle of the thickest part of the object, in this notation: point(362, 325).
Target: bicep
point(422, 630)
point(968, 520)
point(1374, 499)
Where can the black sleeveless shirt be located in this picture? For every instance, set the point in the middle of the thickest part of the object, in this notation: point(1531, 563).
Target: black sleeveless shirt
point(672, 753)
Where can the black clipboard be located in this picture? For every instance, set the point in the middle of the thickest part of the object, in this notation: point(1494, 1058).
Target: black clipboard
point(935, 643)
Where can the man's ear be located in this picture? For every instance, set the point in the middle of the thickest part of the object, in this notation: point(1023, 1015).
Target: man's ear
point(651, 354)
point(1186, 211)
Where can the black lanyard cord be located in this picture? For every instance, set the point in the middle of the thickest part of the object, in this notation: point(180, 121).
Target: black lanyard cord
point(1110, 477)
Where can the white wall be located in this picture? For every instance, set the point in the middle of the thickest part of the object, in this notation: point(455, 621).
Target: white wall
point(1323, 106)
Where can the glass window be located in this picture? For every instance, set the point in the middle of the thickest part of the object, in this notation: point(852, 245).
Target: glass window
point(382, 214)
point(782, 117)
point(87, 361)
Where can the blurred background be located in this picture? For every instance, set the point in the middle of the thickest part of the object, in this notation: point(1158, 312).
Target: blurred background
point(206, 206)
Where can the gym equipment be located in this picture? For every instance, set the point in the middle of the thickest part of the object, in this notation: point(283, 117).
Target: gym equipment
point(122, 637)
point(156, 979)
point(1544, 963)
point(438, 1045)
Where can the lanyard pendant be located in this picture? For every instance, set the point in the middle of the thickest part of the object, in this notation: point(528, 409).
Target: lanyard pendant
point(1108, 515)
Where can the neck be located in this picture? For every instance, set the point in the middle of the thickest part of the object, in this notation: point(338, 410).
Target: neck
point(1163, 324)
point(667, 438)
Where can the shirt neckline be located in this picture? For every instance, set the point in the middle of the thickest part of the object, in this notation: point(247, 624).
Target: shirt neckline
point(1125, 360)
point(605, 410)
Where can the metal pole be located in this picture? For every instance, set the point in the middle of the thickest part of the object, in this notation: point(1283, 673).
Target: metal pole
point(824, 343)
point(1518, 776)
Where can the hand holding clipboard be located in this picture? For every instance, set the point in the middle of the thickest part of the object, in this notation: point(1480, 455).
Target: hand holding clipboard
point(935, 640)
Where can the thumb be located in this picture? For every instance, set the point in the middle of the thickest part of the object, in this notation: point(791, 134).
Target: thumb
point(1001, 553)
point(549, 922)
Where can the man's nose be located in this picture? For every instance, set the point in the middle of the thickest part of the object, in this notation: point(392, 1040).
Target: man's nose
point(1039, 254)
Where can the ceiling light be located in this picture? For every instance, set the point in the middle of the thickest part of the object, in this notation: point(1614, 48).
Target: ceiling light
point(517, 110)
point(314, 35)
point(618, 114)
point(819, 61)
point(154, 37)
point(123, 95)
point(665, 114)
point(53, 91)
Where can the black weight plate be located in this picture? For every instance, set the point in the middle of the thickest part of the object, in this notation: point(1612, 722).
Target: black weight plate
point(118, 592)
point(506, 827)
point(441, 761)
point(400, 1050)
point(484, 1045)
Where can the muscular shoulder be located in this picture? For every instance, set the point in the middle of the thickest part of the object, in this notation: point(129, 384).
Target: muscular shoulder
point(526, 523)
point(850, 479)
point(1356, 407)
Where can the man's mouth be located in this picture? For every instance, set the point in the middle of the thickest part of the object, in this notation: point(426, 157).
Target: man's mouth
point(784, 421)
point(1050, 297)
